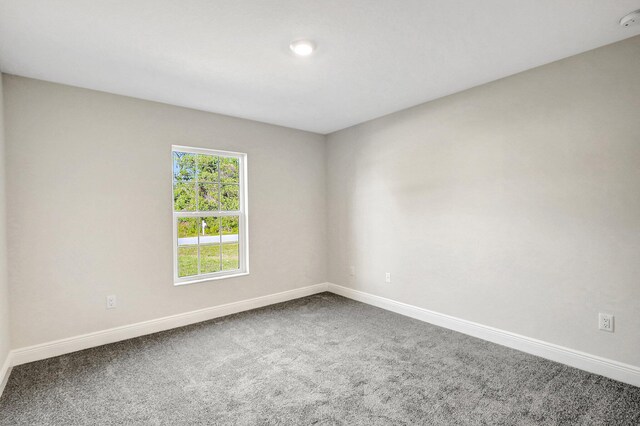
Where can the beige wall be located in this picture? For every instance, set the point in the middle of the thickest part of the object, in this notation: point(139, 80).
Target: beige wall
point(515, 204)
point(89, 208)
point(4, 289)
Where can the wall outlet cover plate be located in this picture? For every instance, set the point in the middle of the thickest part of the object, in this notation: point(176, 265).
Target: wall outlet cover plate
point(605, 322)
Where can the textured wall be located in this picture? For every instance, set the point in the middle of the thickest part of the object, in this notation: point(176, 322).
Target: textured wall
point(90, 214)
point(4, 285)
point(515, 204)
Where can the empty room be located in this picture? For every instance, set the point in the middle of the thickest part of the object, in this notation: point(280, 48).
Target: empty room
point(296, 212)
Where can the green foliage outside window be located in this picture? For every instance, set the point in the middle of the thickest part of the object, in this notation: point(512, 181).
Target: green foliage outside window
point(206, 183)
point(214, 180)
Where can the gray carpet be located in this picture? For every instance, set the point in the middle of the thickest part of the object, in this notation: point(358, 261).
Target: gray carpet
point(318, 360)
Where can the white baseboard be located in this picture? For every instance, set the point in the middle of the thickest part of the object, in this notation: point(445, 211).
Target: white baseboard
point(615, 370)
point(594, 364)
point(5, 371)
point(112, 335)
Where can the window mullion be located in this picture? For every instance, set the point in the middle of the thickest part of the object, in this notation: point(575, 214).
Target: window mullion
point(199, 220)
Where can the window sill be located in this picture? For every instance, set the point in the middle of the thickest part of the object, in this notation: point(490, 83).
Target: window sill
point(211, 278)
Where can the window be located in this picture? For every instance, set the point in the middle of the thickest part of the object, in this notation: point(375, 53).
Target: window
point(209, 214)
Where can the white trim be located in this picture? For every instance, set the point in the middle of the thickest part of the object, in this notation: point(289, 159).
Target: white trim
point(112, 335)
point(615, 370)
point(5, 372)
point(210, 277)
point(594, 364)
point(207, 151)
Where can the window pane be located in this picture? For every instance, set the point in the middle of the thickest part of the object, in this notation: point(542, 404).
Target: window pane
point(187, 261)
point(209, 258)
point(188, 231)
point(206, 182)
point(230, 197)
point(208, 197)
point(184, 167)
point(230, 248)
point(229, 170)
point(229, 226)
point(209, 230)
point(230, 257)
point(184, 197)
point(207, 168)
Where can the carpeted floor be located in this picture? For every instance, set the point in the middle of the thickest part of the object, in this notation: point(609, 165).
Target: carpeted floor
point(318, 360)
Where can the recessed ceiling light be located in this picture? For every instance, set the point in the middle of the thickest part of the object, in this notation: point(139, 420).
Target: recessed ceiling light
point(302, 47)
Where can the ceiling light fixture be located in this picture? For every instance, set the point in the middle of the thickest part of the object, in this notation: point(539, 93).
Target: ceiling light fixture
point(302, 47)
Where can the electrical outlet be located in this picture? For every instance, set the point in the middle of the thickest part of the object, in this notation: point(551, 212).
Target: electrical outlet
point(387, 277)
point(605, 322)
point(111, 302)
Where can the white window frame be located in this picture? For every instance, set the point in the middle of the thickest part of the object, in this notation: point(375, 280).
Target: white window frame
point(243, 226)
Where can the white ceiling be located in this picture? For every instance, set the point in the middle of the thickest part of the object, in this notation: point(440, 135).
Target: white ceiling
point(374, 57)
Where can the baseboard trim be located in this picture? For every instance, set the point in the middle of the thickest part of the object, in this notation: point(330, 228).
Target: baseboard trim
point(5, 371)
point(594, 364)
point(112, 335)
